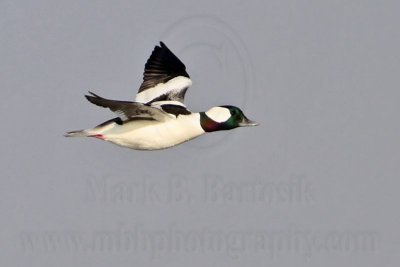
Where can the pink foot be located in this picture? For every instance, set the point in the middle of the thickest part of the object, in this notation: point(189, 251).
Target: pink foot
point(98, 136)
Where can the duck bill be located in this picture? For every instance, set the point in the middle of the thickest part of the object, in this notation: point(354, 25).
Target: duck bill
point(246, 122)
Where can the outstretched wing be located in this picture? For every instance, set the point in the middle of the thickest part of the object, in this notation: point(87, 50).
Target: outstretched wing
point(164, 78)
point(128, 110)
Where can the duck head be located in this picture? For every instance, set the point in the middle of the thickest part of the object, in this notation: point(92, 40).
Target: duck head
point(224, 118)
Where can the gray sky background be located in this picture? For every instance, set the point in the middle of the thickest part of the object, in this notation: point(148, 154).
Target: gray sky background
point(316, 184)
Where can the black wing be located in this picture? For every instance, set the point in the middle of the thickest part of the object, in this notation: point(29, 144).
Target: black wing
point(128, 110)
point(164, 78)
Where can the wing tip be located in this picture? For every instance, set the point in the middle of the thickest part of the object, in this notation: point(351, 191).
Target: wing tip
point(94, 99)
point(93, 94)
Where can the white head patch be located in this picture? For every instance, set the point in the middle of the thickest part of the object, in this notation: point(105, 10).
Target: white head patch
point(219, 114)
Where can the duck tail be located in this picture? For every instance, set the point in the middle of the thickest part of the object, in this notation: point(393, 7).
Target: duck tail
point(79, 133)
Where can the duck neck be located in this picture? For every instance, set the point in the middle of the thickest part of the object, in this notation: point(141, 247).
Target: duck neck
point(209, 125)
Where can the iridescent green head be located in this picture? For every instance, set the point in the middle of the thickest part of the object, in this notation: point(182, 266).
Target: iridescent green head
point(224, 118)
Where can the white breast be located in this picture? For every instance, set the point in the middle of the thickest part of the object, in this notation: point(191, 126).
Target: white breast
point(151, 135)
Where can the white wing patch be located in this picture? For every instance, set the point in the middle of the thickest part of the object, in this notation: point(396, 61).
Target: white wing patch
point(158, 104)
point(219, 114)
point(174, 85)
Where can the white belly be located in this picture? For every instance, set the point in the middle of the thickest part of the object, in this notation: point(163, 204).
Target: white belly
point(151, 135)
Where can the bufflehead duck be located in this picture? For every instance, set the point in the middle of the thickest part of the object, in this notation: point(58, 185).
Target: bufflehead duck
point(158, 118)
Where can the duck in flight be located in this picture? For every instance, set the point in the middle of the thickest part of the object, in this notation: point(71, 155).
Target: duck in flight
point(158, 118)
